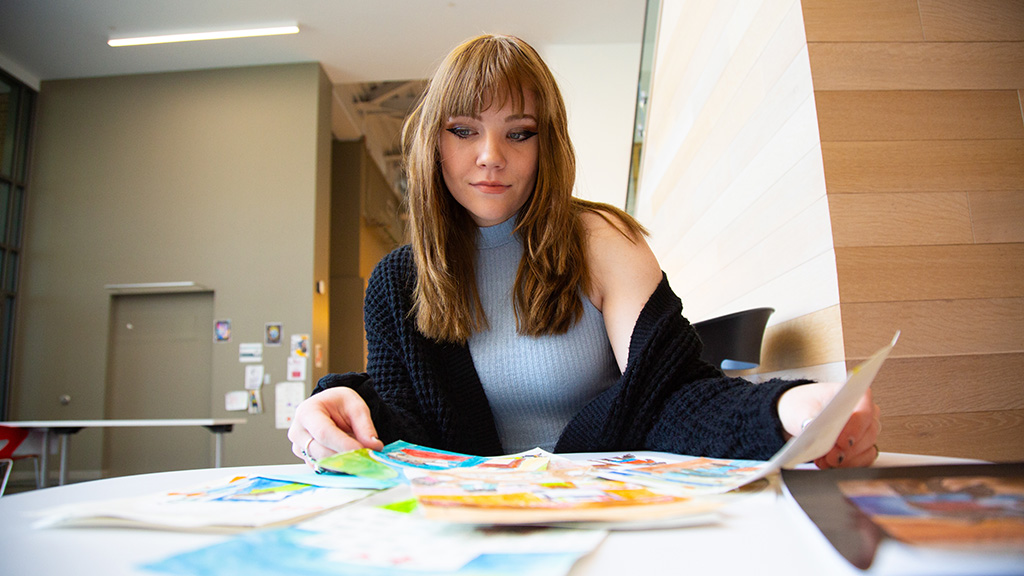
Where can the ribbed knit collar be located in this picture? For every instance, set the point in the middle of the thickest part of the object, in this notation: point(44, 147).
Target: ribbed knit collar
point(497, 235)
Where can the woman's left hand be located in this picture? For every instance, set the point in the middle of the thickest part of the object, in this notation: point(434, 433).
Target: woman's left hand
point(856, 445)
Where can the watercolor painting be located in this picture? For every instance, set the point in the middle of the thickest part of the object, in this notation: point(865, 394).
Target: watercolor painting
point(689, 476)
point(537, 487)
point(404, 454)
point(944, 511)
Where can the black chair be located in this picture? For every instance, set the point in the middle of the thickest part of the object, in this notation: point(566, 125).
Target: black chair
point(733, 341)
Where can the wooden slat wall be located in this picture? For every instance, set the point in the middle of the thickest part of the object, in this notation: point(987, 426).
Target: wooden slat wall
point(732, 184)
point(922, 137)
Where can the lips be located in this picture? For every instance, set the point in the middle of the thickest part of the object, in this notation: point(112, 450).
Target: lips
point(490, 187)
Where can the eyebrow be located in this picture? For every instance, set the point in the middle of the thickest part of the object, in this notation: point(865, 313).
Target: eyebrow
point(509, 118)
point(512, 117)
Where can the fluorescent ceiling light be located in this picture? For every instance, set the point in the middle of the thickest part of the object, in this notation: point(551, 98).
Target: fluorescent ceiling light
point(203, 36)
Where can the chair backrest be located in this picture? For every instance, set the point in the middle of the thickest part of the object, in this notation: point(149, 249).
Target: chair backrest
point(733, 341)
point(10, 439)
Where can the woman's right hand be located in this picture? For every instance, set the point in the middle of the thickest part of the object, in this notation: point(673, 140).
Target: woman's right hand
point(332, 421)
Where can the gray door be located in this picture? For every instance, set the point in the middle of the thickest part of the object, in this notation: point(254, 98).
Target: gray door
point(159, 366)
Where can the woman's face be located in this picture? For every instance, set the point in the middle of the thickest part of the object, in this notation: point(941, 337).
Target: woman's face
point(489, 161)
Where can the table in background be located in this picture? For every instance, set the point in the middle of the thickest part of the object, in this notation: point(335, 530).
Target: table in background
point(65, 428)
point(761, 532)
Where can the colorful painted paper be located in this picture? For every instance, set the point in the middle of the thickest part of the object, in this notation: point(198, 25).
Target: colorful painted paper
point(973, 512)
point(968, 517)
point(229, 505)
point(690, 476)
point(405, 455)
point(537, 487)
point(357, 463)
point(329, 480)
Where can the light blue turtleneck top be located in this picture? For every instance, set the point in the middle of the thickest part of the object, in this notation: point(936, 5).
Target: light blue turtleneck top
point(534, 385)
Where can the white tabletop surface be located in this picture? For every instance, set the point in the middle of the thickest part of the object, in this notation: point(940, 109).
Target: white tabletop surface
point(763, 533)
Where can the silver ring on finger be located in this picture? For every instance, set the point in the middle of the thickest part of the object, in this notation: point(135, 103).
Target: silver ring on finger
point(309, 457)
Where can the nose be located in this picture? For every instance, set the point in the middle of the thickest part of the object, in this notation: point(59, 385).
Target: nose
point(491, 153)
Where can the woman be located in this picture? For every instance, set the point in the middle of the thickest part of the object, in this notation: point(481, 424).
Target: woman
point(520, 316)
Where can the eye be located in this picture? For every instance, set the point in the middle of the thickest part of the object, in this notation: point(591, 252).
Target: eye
point(521, 135)
point(460, 131)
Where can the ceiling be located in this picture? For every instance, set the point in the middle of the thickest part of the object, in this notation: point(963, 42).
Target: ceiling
point(355, 40)
point(375, 52)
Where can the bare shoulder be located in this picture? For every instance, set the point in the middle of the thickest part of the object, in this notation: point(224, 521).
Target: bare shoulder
point(611, 241)
point(618, 256)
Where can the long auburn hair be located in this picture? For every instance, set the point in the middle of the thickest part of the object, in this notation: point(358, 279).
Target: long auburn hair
point(493, 70)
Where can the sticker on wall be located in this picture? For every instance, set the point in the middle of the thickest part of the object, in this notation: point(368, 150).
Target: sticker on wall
point(272, 334)
point(222, 331)
point(300, 345)
point(287, 396)
point(255, 402)
point(236, 401)
point(296, 368)
point(250, 352)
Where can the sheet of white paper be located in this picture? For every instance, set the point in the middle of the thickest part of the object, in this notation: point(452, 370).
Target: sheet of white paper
point(297, 368)
point(287, 397)
point(821, 434)
point(254, 376)
point(236, 400)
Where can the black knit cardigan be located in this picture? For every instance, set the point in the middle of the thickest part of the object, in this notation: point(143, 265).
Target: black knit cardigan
point(428, 392)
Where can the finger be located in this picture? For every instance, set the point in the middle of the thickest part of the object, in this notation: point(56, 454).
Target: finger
point(314, 420)
point(360, 424)
point(857, 434)
point(860, 421)
point(861, 451)
point(329, 438)
point(318, 425)
point(299, 449)
point(865, 451)
point(868, 438)
point(307, 453)
point(353, 428)
point(822, 463)
point(299, 436)
point(864, 458)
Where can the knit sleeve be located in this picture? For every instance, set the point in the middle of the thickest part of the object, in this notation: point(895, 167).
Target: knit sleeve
point(670, 400)
point(722, 418)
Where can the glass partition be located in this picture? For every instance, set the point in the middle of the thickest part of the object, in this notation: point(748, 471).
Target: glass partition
point(16, 110)
point(643, 91)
